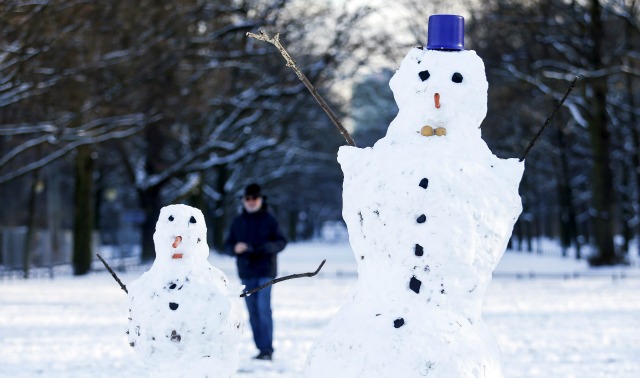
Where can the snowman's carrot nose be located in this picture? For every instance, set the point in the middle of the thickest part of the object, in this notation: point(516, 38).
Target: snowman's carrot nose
point(177, 242)
point(436, 99)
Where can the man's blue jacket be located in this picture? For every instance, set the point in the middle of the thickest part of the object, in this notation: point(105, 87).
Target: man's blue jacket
point(260, 230)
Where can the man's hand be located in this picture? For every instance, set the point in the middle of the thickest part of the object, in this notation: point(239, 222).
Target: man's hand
point(240, 248)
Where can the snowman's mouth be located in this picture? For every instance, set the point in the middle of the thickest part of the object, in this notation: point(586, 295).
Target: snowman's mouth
point(177, 256)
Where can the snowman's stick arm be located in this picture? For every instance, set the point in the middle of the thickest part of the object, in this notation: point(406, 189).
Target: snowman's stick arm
point(291, 63)
point(548, 121)
point(115, 276)
point(274, 281)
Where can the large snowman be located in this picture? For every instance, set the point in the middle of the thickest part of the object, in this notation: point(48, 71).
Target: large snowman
point(429, 211)
point(184, 315)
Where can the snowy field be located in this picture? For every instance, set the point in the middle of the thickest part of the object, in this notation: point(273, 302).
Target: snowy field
point(546, 326)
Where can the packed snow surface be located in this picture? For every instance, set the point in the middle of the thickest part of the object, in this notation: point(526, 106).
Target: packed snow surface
point(184, 315)
point(74, 327)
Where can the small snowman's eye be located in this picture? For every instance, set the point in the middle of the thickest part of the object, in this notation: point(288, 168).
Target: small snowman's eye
point(192, 220)
point(456, 78)
point(170, 218)
point(424, 75)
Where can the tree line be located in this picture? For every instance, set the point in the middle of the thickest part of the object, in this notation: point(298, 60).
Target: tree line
point(581, 186)
point(117, 105)
point(108, 106)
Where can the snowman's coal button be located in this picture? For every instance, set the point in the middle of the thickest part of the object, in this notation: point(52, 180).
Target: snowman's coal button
point(172, 286)
point(173, 306)
point(424, 183)
point(415, 284)
point(419, 251)
point(421, 219)
point(398, 323)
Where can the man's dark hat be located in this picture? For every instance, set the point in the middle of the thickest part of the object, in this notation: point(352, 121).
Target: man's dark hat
point(252, 190)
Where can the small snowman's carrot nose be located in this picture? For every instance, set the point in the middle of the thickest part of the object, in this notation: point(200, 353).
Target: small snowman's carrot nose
point(436, 99)
point(177, 242)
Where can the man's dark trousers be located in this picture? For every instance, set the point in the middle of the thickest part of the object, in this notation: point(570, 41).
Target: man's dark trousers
point(259, 306)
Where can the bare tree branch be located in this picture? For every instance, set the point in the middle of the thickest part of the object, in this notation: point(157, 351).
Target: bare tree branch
point(548, 121)
point(115, 276)
point(291, 63)
point(299, 275)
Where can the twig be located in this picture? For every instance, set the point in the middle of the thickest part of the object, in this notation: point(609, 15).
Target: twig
point(548, 121)
point(115, 276)
point(291, 63)
point(299, 275)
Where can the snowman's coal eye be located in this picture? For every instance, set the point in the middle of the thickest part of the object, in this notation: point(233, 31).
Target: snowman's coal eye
point(456, 78)
point(192, 220)
point(170, 218)
point(424, 75)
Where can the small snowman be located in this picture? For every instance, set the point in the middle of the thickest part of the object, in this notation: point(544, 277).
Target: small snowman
point(184, 315)
point(429, 211)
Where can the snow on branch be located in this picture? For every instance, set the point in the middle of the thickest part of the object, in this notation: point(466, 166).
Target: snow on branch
point(17, 129)
point(184, 164)
point(117, 128)
point(576, 105)
point(252, 146)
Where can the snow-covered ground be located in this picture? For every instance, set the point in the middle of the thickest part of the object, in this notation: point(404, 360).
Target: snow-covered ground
point(546, 326)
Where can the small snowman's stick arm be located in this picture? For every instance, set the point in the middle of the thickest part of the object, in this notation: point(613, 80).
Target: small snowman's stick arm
point(548, 121)
point(291, 63)
point(299, 275)
point(115, 276)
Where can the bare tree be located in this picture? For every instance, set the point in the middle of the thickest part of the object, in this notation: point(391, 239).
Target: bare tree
point(175, 89)
point(548, 43)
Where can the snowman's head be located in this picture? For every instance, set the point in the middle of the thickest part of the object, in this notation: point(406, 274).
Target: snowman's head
point(181, 235)
point(440, 89)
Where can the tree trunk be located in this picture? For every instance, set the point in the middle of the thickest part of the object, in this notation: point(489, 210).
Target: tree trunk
point(633, 121)
point(83, 211)
point(292, 227)
point(219, 213)
point(520, 235)
point(529, 232)
point(626, 209)
point(150, 198)
point(53, 215)
point(150, 201)
point(31, 218)
point(602, 189)
point(635, 133)
point(568, 222)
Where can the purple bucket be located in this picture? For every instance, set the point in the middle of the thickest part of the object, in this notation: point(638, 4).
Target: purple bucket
point(446, 32)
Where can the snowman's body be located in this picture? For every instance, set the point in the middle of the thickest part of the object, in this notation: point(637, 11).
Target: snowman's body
point(184, 316)
point(429, 219)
